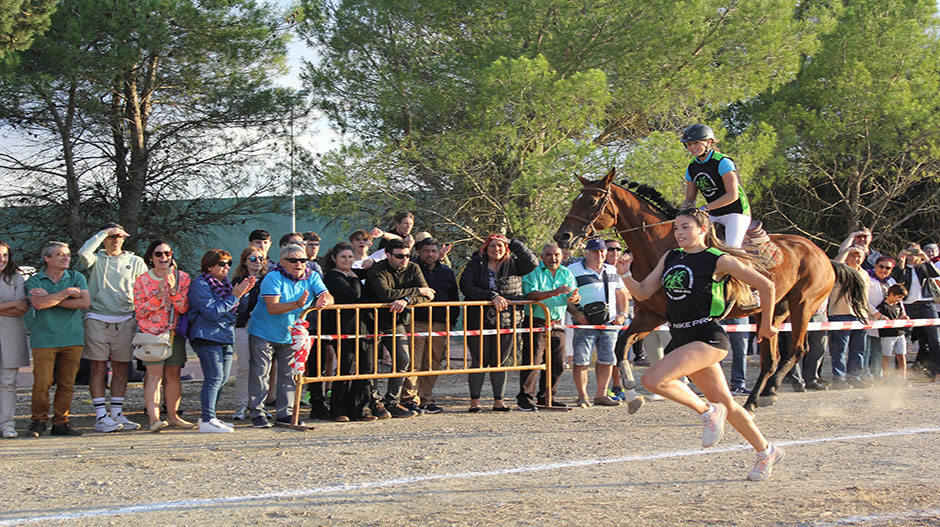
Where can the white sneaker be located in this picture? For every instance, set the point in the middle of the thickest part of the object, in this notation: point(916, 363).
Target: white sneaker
point(127, 423)
point(214, 426)
point(714, 428)
point(9, 432)
point(765, 464)
point(106, 424)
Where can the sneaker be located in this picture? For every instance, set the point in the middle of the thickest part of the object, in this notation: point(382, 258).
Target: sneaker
point(107, 424)
point(714, 428)
point(413, 406)
point(431, 408)
point(635, 404)
point(399, 412)
point(380, 412)
point(36, 428)
point(213, 426)
point(765, 464)
point(8, 431)
point(816, 386)
point(65, 429)
point(289, 420)
point(840, 384)
point(260, 422)
point(555, 403)
point(526, 406)
point(740, 391)
point(617, 395)
point(240, 415)
point(127, 424)
point(583, 403)
point(606, 401)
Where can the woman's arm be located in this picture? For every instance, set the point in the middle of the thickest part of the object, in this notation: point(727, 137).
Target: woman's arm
point(730, 265)
point(730, 180)
point(645, 289)
point(691, 191)
point(526, 261)
point(202, 299)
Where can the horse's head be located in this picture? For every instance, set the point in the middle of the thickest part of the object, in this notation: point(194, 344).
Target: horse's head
point(590, 213)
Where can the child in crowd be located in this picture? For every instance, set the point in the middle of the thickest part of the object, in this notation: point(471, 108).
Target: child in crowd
point(894, 340)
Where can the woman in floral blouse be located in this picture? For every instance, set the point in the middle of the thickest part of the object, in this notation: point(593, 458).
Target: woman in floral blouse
point(161, 295)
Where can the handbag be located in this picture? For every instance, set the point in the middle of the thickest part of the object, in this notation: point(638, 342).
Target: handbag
point(933, 288)
point(155, 348)
point(597, 313)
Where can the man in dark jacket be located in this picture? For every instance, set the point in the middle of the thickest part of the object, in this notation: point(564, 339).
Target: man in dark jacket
point(399, 282)
point(429, 350)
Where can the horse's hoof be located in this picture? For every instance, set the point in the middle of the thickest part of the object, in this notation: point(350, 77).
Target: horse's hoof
point(764, 401)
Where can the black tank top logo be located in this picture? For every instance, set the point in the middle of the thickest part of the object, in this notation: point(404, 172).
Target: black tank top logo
point(678, 281)
point(706, 185)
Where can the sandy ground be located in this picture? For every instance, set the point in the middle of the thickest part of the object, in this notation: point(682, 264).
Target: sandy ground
point(859, 457)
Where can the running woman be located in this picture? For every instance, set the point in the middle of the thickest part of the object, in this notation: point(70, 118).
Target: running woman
point(696, 277)
point(715, 175)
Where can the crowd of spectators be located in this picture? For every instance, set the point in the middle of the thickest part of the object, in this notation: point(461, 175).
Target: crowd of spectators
point(243, 322)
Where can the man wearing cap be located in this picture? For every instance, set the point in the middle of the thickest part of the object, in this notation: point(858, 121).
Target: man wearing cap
point(109, 322)
point(554, 286)
point(598, 283)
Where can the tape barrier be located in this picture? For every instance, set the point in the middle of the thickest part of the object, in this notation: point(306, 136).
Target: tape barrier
point(730, 328)
point(812, 326)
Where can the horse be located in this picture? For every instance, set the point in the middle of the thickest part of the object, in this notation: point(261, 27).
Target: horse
point(803, 278)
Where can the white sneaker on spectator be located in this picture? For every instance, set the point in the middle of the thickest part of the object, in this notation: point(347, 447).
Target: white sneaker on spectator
point(714, 425)
point(214, 426)
point(9, 432)
point(765, 464)
point(126, 423)
point(107, 424)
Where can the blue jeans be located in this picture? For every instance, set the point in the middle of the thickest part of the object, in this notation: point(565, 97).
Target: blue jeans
point(216, 361)
point(846, 346)
point(739, 343)
point(585, 341)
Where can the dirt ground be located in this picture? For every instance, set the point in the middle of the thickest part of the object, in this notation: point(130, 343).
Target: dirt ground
point(857, 457)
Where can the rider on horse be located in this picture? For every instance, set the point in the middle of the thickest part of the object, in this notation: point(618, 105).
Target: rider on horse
point(716, 176)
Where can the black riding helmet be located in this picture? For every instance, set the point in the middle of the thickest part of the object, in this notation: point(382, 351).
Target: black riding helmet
point(697, 132)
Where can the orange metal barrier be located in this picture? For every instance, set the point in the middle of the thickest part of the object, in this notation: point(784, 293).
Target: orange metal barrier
point(369, 313)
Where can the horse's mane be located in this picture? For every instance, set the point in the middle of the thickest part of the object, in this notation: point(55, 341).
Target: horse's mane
point(651, 196)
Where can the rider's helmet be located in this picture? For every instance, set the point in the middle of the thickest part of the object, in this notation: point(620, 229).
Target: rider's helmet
point(697, 132)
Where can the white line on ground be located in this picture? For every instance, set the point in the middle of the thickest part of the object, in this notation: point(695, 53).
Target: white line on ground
point(346, 487)
point(856, 520)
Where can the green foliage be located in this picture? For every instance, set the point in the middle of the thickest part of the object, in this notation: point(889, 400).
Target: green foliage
point(858, 129)
point(486, 109)
point(20, 22)
point(125, 104)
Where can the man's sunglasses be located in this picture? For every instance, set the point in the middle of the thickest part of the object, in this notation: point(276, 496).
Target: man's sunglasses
point(399, 256)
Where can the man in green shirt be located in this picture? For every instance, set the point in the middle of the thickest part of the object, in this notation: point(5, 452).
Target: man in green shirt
point(59, 297)
point(555, 286)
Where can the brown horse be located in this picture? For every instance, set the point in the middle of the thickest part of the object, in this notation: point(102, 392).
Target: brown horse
point(643, 219)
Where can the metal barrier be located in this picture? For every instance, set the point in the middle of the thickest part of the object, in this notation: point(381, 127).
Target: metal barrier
point(364, 312)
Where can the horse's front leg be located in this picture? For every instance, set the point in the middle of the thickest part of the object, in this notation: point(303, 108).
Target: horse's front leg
point(769, 358)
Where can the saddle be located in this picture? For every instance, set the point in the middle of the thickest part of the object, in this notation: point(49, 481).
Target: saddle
point(766, 253)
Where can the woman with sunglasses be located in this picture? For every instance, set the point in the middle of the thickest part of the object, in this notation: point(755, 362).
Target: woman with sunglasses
point(160, 298)
point(213, 304)
point(252, 262)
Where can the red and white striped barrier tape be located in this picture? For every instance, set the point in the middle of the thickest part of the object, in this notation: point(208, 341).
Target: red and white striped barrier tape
point(812, 326)
point(730, 328)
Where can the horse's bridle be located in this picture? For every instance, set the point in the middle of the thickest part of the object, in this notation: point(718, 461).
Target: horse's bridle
point(589, 230)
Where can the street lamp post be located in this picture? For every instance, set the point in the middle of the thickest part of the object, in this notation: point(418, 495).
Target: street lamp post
point(293, 200)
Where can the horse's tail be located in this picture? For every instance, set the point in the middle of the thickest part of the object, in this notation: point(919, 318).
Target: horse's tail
point(852, 288)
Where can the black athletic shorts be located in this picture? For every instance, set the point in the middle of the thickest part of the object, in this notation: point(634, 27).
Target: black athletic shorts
point(709, 332)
